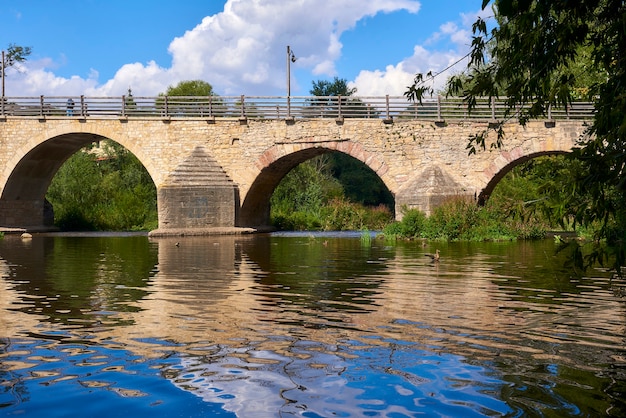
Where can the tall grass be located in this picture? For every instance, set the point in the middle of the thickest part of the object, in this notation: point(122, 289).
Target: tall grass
point(337, 215)
point(462, 220)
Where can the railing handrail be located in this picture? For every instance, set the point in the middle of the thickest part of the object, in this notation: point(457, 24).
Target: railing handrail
point(387, 108)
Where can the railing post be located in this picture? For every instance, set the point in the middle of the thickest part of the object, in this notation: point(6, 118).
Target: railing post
point(387, 107)
point(243, 107)
point(339, 106)
point(41, 105)
point(439, 108)
point(288, 107)
point(83, 109)
point(493, 108)
point(123, 105)
point(165, 107)
point(550, 111)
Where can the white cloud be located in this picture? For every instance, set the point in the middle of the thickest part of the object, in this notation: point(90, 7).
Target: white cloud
point(35, 78)
point(442, 62)
point(393, 80)
point(242, 49)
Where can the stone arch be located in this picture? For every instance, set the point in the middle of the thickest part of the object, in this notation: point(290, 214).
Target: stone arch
point(277, 161)
point(59, 135)
point(30, 172)
point(502, 166)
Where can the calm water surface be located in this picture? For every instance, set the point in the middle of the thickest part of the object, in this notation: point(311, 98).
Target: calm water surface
point(304, 325)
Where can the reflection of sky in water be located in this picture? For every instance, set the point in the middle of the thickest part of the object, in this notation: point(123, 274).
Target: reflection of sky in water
point(76, 379)
point(350, 379)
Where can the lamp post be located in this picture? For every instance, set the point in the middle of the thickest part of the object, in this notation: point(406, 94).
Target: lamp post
point(2, 75)
point(290, 58)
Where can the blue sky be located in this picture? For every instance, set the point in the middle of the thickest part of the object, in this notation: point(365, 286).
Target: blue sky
point(103, 47)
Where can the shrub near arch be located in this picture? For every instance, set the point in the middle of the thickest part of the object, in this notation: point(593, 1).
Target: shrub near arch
point(108, 190)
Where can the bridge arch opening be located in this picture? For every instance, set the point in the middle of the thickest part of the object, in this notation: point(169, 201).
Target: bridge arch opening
point(25, 201)
point(484, 195)
point(256, 208)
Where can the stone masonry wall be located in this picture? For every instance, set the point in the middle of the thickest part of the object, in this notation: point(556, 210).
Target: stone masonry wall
point(413, 158)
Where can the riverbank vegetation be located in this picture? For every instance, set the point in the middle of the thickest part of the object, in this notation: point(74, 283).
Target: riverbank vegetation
point(103, 189)
point(534, 198)
point(331, 192)
point(462, 220)
point(542, 54)
point(109, 189)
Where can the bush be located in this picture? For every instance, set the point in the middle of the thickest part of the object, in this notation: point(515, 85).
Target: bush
point(462, 220)
point(112, 193)
point(338, 215)
point(295, 221)
point(411, 226)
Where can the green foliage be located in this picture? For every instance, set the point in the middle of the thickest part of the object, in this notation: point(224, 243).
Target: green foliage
point(311, 197)
point(198, 98)
point(327, 105)
point(295, 221)
point(462, 220)
point(544, 53)
point(360, 183)
point(307, 187)
point(541, 189)
point(411, 226)
point(14, 55)
point(342, 215)
point(110, 192)
point(337, 87)
point(190, 88)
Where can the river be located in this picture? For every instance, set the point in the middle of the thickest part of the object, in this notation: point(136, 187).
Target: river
point(311, 325)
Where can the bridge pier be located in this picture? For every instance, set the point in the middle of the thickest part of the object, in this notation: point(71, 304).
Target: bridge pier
point(429, 190)
point(198, 198)
point(197, 210)
point(33, 215)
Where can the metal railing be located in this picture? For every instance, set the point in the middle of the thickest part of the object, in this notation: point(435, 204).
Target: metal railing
point(387, 108)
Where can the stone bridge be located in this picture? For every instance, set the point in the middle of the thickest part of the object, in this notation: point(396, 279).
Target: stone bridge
point(216, 174)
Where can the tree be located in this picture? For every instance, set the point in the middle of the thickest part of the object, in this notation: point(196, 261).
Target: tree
point(337, 87)
point(532, 54)
point(204, 105)
point(343, 106)
point(14, 54)
point(105, 190)
point(190, 88)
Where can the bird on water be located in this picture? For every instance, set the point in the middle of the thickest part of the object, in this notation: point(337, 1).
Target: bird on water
point(434, 257)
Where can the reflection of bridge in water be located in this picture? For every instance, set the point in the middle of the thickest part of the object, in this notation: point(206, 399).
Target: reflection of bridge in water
point(245, 318)
point(215, 161)
point(244, 315)
point(221, 289)
point(217, 289)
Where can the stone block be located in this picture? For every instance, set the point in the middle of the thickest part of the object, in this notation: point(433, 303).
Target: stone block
point(197, 207)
